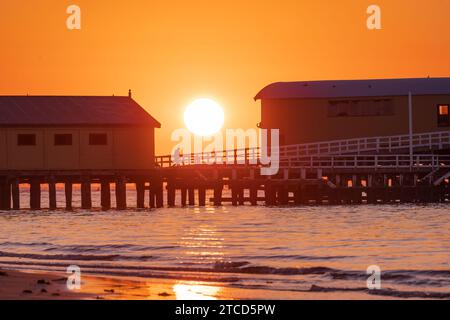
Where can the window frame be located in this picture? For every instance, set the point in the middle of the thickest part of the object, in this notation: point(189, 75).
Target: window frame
point(93, 136)
point(22, 143)
point(62, 143)
point(446, 122)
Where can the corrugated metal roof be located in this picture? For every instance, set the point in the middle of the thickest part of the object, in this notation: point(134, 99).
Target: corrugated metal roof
point(355, 88)
point(72, 110)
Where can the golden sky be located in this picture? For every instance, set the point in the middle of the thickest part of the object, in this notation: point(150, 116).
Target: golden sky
point(171, 52)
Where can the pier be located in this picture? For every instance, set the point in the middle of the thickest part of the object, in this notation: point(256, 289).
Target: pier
point(308, 175)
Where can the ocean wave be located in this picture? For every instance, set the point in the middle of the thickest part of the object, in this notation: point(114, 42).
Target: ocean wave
point(383, 292)
point(75, 257)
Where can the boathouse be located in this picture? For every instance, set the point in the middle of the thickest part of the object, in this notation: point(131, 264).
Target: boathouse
point(308, 112)
point(75, 133)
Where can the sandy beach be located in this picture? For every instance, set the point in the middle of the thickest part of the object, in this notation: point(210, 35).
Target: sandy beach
point(19, 285)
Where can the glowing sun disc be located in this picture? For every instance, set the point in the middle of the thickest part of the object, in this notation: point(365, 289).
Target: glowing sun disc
point(204, 117)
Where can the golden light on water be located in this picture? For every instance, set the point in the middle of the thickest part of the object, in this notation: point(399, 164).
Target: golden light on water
point(195, 291)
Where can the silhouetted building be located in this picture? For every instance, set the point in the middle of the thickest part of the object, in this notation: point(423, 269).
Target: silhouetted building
point(334, 110)
point(75, 133)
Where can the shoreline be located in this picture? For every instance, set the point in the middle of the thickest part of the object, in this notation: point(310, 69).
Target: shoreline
point(31, 285)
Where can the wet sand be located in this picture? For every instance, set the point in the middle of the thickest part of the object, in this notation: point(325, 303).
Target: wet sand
point(19, 285)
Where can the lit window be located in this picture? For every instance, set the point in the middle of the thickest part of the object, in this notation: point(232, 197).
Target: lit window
point(443, 110)
point(443, 115)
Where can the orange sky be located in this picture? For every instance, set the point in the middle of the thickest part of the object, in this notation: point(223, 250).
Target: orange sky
point(171, 52)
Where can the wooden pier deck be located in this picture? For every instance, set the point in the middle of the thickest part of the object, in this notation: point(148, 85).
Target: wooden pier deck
point(305, 180)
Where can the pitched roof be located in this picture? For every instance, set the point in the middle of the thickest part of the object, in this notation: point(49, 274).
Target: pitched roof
point(355, 88)
point(72, 110)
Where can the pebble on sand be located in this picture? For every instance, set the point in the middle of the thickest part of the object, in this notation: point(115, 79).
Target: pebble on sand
point(164, 294)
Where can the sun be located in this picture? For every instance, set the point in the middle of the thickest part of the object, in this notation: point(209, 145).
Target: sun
point(204, 117)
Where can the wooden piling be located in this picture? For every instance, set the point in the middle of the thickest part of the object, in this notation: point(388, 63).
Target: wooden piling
point(121, 193)
point(254, 194)
point(86, 198)
point(183, 196)
point(171, 192)
point(191, 196)
point(68, 193)
point(35, 194)
point(140, 194)
point(5, 194)
point(105, 190)
point(201, 196)
point(218, 194)
point(52, 193)
point(159, 194)
point(15, 190)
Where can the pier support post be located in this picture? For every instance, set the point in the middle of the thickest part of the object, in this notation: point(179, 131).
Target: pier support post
point(5, 195)
point(183, 196)
point(105, 190)
point(121, 193)
point(171, 194)
point(52, 193)
point(234, 194)
point(86, 199)
point(15, 194)
point(298, 195)
point(140, 194)
point(201, 196)
point(152, 195)
point(159, 194)
point(254, 194)
point(68, 192)
point(35, 194)
point(191, 196)
point(218, 194)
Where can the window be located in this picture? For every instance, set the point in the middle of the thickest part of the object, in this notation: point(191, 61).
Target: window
point(443, 115)
point(63, 139)
point(26, 139)
point(98, 139)
point(361, 108)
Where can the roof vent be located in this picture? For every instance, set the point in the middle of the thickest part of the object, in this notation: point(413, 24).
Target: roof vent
point(129, 93)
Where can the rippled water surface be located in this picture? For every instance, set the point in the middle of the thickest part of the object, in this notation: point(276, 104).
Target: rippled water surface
point(281, 249)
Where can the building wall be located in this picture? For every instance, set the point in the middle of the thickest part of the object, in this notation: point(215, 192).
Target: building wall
point(126, 148)
point(307, 120)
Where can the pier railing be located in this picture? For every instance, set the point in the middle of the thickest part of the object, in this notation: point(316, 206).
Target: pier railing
point(374, 145)
point(386, 144)
point(402, 161)
point(251, 157)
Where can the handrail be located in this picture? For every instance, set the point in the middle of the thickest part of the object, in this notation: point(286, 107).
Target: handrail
point(358, 146)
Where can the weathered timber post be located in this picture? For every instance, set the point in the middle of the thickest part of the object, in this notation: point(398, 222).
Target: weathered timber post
point(86, 198)
point(121, 193)
point(68, 192)
point(15, 189)
point(269, 193)
point(140, 194)
point(298, 194)
point(5, 195)
point(218, 188)
point(183, 196)
point(35, 194)
point(159, 194)
point(240, 191)
point(52, 193)
point(201, 196)
point(191, 196)
point(105, 189)
point(254, 193)
point(170, 194)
